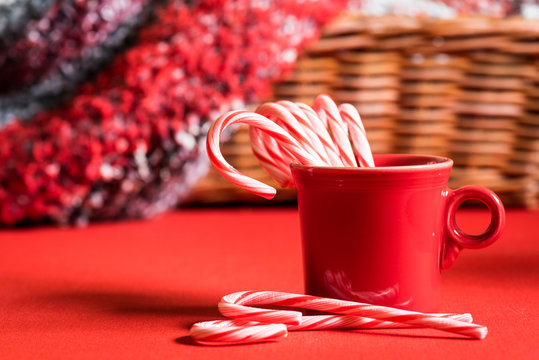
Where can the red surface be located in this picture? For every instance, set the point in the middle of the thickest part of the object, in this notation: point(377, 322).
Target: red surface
point(380, 234)
point(131, 290)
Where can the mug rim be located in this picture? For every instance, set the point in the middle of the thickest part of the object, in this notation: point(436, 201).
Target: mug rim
point(434, 162)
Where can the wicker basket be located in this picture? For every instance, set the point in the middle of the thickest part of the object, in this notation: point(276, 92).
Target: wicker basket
point(466, 88)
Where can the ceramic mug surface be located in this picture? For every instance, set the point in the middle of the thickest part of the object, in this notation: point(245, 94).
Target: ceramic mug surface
point(382, 235)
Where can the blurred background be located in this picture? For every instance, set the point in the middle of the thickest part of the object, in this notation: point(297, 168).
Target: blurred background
point(104, 105)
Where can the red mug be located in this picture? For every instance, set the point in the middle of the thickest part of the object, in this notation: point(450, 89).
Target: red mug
point(382, 235)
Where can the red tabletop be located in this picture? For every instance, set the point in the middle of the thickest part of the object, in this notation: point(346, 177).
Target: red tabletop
point(130, 290)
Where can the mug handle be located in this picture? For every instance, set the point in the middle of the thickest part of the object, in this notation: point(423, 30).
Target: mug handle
point(455, 238)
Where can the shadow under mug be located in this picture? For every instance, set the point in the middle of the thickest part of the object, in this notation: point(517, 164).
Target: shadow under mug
point(382, 235)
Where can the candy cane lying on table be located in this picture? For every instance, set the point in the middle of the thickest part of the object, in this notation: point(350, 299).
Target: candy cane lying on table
point(284, 132)
point(253, 324)
point(235, 332)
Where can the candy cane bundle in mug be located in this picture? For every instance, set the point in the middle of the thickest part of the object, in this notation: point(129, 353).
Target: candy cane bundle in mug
point(376, 229)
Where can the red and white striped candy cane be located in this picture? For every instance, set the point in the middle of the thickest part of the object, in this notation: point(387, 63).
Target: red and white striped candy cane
point(284, 132)
point(231, 332)
point(282, 116)
point(264, 124)
point(326, 108)
point(236, 306)
point(316, 130)
point(328, 322)
point(358, 135)
point(269, 323)
point(321, 127)
point(271, 157)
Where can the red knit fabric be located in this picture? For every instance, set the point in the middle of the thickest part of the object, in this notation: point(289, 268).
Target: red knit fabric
point(123, 146)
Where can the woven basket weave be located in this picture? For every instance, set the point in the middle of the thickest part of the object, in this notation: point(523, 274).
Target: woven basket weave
point(466, 88)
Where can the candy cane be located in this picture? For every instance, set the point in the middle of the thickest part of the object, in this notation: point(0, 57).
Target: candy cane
point(292, 125)
point(316, 131)
point(264, 124)
point(234, 306)
point(275, 161)
point(256, 324)
point(284, 132)
point(321, 127)
point(358, 135)
point(229, 332)
point(235, 332)
point(326, 108)
point(331, 322)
